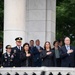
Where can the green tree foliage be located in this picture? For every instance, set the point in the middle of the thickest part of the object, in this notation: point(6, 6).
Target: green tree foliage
point(1, 14)
point(1, 19)
point(65, 19)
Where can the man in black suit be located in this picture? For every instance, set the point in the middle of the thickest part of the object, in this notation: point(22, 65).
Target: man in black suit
point(16, 51)
point(36, 54)
point(31, 43)
point(67, 54)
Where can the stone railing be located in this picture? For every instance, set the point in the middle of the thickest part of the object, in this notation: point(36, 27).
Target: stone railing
point(37, 71)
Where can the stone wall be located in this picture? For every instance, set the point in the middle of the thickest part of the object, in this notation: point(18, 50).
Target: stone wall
point(41, 20)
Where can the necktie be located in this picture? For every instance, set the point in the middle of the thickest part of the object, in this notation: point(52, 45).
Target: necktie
point(19, 48)
point(68, 47)
point(8, 55)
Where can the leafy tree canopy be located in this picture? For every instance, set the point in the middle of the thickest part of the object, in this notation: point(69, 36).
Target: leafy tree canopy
point(65, 19)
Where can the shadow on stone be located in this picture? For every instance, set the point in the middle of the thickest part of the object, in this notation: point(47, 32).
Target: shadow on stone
point(8, 73)
point(25, 73)
point(16, 73)
point(0, 74)
point(42, 73)
point(59, 73)
point(68, 74)
point(50, 73)
point(34, 73)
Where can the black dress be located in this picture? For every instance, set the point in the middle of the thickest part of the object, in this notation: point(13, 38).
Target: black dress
point(47, 60)
point(25, 61)
point(57, 61)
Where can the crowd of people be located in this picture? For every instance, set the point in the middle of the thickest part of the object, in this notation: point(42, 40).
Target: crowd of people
point(30, 55)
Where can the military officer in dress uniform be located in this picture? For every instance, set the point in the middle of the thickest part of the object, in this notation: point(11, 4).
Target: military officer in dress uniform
point(16, 51)
point(7, 58)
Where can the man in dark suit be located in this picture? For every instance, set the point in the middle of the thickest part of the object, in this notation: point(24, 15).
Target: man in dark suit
point(31, 43)
point(36, 54)
point(16, 51)
point(67, 54)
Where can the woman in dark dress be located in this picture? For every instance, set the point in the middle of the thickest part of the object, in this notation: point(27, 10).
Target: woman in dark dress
point(47, 55)
point(25, 56)
point(57, 58)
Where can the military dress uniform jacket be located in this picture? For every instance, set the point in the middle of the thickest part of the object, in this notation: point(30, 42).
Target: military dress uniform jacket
point(7, 60)
point(16, 52)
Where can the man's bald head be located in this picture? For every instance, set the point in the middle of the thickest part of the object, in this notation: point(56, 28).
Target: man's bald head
point(67, 41)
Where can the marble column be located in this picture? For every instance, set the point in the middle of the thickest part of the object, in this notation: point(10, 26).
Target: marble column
point(14, 21)
point(41, 20)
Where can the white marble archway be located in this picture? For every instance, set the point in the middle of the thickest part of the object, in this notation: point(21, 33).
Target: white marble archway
point(30, 19)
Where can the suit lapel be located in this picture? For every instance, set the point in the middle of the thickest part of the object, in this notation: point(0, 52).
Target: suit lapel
point(65, 49)
point(6, 54)
point(71, 47)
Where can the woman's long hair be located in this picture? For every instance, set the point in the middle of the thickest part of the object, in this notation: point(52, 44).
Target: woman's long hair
point(25, 45)
point(49, 45)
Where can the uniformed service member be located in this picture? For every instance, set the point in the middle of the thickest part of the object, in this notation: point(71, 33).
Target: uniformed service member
point(7, 58)
point(16, 51)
